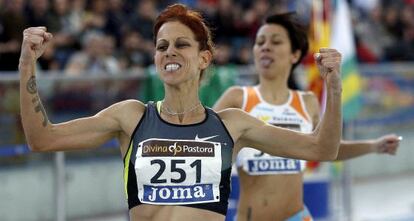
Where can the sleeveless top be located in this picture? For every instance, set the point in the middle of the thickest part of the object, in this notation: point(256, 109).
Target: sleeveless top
point(291, 115)
point(181, 165)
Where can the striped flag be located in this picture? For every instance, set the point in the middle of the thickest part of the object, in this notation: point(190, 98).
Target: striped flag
point(319, 37)
point(335, 31)
point(342, 39)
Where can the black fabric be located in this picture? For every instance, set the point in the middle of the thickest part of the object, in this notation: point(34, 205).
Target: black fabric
point(153, 126)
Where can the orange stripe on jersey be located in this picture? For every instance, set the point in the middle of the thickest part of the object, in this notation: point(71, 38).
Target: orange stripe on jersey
point(252, 99)
point(297, 105)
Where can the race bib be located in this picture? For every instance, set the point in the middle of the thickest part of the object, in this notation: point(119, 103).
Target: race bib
point(259, 163)
point(177, 172)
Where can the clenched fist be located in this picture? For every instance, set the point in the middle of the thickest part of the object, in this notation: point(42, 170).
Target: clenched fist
point(329, 65)
point(35, 41)
point(387, 144)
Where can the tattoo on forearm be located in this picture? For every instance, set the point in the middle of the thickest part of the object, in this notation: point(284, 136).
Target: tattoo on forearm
point(39, 108)
point(249, 214)
point(31, 85)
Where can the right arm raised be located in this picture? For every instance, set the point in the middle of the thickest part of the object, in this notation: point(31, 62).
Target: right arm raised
point(41, 135)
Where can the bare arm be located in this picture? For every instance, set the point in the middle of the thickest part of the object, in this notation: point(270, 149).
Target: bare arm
point(328, 132)
point(42, 135)
point(231, 98)
point(273, 140)
point(387, 144)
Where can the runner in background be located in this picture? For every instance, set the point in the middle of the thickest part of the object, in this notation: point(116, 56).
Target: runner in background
point(271, 188)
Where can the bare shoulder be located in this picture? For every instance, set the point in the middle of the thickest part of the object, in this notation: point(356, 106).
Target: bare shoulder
point(132, 105)
point(231, 113)
point(231, 98)
point(235, 90)
point(233, 120)
point(125, 107)
point(237, 121)
point(310, 99)
point(308, 95)
point(312, 105)
point(125, 112)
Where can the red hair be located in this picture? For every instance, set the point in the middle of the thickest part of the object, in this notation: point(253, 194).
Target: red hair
point(190, 18)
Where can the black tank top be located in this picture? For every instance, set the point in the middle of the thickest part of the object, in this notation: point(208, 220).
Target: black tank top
point(181, 165)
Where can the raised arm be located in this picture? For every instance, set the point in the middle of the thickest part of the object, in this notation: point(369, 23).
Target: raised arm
point(41, 135)
point(320, 145)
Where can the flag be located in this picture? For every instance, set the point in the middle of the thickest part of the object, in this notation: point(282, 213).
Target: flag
point(335, 31)
point(319, 37)
point(342, 39)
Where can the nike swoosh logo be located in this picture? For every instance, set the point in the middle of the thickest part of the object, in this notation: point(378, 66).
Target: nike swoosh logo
point(204, 138)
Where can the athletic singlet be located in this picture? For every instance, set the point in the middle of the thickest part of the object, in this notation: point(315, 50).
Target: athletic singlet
point(181, 165)
point(291, 115)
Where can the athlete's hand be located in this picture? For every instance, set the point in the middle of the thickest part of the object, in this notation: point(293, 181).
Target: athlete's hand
point(329, 65)
point(35, 41)
point(387, 144)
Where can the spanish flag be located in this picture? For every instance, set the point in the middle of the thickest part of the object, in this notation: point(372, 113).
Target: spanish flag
point(331, 27)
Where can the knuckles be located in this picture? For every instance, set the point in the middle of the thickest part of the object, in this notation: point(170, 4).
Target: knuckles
point(34, 31)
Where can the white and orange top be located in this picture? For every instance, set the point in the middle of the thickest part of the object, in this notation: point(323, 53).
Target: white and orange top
point(292, 115)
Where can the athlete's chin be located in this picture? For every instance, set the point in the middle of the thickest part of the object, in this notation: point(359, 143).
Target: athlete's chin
point(171, 78)
point(179, 80)
point(172, 82)
point(264, 69)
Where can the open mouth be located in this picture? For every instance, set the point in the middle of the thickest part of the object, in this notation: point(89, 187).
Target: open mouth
point(266, 62)
point(171, 67)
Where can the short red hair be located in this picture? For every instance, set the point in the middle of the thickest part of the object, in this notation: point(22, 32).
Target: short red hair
point(190, 18)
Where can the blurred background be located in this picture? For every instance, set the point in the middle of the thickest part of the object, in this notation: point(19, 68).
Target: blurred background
point(102, 53)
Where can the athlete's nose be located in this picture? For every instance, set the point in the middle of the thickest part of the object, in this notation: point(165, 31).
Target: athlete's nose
point(265, 46)
point(171, 51)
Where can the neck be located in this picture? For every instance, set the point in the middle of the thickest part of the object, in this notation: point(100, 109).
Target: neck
point(274, 90)
point(181, 98)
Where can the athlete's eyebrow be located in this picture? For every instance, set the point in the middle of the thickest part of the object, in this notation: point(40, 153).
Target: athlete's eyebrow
point(178, 38)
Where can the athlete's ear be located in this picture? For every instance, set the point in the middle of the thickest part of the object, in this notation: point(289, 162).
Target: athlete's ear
point(296, 56)
point(205, 59)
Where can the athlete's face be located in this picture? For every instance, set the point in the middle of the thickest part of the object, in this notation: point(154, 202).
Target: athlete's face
point(272, 50)
point(177, 56)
